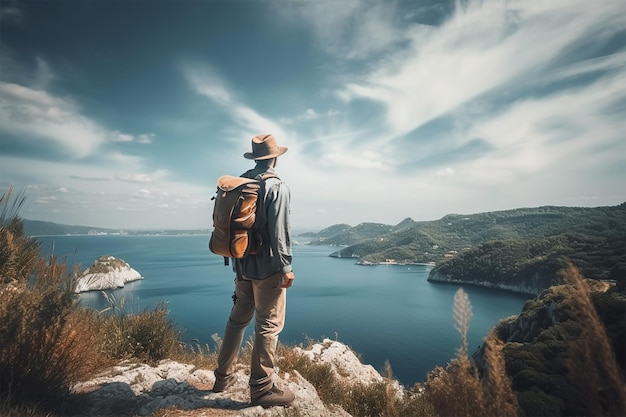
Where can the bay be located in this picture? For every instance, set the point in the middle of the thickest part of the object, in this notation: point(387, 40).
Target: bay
point(384, 312)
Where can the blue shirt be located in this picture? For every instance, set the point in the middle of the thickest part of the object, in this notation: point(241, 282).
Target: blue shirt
point(275, 253)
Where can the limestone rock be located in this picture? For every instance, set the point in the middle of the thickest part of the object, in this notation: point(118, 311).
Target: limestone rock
point(344, 362)
point(131, 389)
point(106, 273)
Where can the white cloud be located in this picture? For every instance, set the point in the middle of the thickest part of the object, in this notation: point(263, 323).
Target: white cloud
point(207, 83)
point(580, 124)
point(445, 172)
point(484, 46)
point(366, 160)
point(500, 79)
point(99, 191)
point(33, 114)
point(134, 178)
point(146, 138)
point(45, 199)
point(309, 114)
point(144, 192)
point(117, 136)
point(352, 29)
point(38, 115)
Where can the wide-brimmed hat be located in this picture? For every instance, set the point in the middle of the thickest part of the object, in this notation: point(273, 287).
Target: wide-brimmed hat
point(264, 147)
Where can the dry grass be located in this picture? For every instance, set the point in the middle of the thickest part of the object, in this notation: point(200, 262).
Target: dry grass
point(46, 344)
point(197, 354)
point(459, 390)
point(148, 336)
point(18, 252)
point(360, 400)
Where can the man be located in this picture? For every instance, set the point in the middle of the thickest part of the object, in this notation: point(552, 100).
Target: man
point(260, 285)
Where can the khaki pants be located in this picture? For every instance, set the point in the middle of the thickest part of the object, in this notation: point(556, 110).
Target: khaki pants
point(267, 300)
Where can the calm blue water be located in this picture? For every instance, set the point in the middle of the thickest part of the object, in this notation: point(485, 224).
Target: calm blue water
point(384, 312)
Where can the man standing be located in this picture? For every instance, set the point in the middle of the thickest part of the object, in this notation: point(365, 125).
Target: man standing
point(260, 285)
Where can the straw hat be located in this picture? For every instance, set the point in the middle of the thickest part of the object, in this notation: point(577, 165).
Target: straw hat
point(264, 147)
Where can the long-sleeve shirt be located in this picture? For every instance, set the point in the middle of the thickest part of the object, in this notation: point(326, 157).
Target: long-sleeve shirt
point(275, 253)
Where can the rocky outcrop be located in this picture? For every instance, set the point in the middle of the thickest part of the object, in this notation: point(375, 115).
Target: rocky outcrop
point(140, 389)
point(106, 273)
point(345, 364)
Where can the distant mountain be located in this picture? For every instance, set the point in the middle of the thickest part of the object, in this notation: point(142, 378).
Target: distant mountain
point(344, 234)
point(41, 228)
point(514, 249)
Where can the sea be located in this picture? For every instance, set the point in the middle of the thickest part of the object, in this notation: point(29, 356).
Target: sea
point(383, 312)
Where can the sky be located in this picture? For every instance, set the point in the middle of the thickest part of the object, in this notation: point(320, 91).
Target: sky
point(123, 114)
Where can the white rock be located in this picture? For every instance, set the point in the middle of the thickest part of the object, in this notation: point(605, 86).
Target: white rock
point(145, 389)
point(345, 364)
point(106, 273)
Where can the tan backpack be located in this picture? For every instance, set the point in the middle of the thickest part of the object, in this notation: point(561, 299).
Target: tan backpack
point(235, 214)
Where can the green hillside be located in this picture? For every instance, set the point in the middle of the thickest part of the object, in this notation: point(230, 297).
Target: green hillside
point(494, 247)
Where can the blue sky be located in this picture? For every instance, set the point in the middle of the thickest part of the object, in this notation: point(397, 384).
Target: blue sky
point(123, 113)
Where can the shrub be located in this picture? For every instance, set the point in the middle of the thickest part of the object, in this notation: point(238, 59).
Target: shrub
point(18, 252)
point(360, 400)
point(459, 389)
point(46, 343)
point(149, 336)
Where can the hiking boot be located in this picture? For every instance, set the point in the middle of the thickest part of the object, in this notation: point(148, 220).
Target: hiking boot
point(274, 397)
point(223, 383)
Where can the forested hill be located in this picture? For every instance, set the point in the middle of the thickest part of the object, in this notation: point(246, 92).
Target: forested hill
point(495, 244)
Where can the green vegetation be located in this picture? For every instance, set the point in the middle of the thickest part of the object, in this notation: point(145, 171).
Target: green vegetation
point(518, 248)
point(561, 350)
point(104, 264)
point(532, 264)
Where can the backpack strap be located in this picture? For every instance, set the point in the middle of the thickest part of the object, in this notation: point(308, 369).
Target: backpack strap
point(265, 176)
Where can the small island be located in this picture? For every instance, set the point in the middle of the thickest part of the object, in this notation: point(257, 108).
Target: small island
point(106, 273)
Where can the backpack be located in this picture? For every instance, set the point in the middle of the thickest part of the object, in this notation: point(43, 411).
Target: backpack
point(234, 216)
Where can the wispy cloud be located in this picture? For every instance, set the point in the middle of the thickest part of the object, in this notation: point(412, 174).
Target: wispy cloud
point(484, 46)
point(81, 192)
point(455, 105)
point(205, 81)
point(352, 29)
point(512, 64)
point(117, 136)
point(40, 116)
point(10, 12)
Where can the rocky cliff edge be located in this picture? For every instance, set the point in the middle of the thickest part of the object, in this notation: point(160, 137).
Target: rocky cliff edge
point(131, 389)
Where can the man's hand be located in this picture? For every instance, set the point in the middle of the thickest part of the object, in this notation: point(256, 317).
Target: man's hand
point(288, 280)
